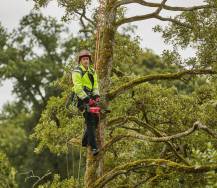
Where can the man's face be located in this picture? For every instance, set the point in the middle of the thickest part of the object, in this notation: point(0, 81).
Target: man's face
point(85, 61)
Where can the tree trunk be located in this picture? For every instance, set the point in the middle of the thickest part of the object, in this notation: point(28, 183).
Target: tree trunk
point(94, 165)
point(90, 173)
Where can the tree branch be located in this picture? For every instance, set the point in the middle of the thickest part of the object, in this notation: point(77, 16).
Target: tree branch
point(196, 125)
point(160, 7)
point(159, 139)
point(162, 137)
point(41, 178)
point(149, 16)
point(166, 7)
point(206, 129)
point(169, 76)
point(117, 120)
point(155, 14)
point(83, 15)
point(159, 134)
point(123, 169)
point(173, 20)
point(135, 18)
point(117, 72)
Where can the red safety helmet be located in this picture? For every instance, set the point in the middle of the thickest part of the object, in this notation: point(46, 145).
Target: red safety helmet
point(84, 53)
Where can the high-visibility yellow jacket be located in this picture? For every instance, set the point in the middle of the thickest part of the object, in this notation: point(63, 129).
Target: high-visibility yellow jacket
point(83, 86)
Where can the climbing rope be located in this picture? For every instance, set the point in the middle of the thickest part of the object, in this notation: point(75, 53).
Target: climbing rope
point(100, 23)
point(79, 166)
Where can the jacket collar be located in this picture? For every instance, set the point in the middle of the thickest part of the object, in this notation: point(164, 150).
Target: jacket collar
point(82, 67)
point(90, 68)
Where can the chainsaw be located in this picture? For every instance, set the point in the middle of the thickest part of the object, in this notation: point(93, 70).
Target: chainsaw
point(93, 106)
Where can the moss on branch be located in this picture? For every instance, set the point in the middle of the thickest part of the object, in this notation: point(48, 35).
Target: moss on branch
point(122, 169)
point(169, 76)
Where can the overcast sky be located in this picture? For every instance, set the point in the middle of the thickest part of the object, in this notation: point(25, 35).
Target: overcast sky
point(11, 11)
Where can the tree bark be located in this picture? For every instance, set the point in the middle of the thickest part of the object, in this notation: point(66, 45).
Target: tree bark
point(95, 165)
point(90, 173)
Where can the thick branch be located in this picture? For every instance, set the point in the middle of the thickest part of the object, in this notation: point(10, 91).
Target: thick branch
point(168, 76)
point(117, 120)
point(135, 135)
point(197, 125)
point(162, 137)
point(135, 18)
point(159, 134)
point(159, 139)
point(166, 7)
point(149, 16)
point(155, 14)
point(160, 7)
point(123, 169)
point(206, 129)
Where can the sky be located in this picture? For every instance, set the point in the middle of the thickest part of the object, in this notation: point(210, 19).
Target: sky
point(11, 11)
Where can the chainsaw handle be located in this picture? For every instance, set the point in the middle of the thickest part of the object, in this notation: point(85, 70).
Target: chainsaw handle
point(92, 102)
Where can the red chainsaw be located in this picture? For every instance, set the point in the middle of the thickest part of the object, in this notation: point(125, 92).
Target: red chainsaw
point(93, 106)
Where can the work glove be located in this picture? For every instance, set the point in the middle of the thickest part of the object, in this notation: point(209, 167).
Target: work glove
point(86, 100)
point(85, 105)
point(96, 98)
point(92, 102)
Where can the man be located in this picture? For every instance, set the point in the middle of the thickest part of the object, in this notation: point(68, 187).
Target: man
point(86, 88)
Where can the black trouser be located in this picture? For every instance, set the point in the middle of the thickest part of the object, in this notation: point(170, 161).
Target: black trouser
point(89, 138)
point(91, 121)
